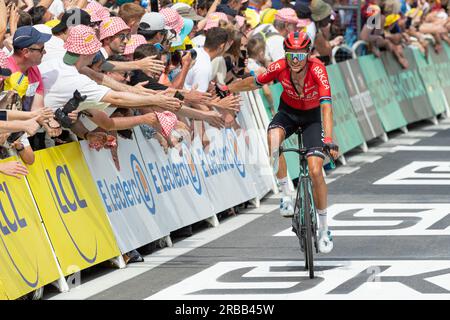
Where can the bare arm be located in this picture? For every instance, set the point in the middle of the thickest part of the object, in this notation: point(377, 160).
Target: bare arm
point(102, 119)
point(3, 21)
point(248, 84)
point(131, 100)
point(327, 116)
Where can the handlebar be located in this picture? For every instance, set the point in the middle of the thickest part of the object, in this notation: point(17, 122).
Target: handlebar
point(303, 151)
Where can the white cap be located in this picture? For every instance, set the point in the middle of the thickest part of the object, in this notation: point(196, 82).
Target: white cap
point(155, 20)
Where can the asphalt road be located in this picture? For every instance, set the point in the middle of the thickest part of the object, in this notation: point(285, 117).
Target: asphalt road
point(389, 210)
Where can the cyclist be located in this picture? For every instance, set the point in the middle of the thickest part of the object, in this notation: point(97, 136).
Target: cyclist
point(305, 101)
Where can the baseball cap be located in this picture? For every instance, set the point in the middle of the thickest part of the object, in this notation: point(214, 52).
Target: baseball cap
point(82, 40)
point(154, 20)
point(26, 36)
point(71, 18)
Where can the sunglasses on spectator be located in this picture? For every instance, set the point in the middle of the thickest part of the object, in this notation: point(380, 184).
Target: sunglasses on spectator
point(41, 50)
point(124, 36)
point(95, 24)
point(300, 56)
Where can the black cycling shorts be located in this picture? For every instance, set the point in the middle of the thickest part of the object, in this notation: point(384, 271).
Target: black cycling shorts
point(290, 119)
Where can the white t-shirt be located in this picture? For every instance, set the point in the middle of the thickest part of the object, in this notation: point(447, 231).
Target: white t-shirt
point(219, 70)
point(61, 80)
point(254, 65)
point(201, 73)
point(54, 49)
point(199, 41)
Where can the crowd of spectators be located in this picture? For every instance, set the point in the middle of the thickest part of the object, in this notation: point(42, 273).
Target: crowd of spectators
point(86, 70)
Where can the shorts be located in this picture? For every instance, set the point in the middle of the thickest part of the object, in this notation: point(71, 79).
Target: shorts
point(310, 121)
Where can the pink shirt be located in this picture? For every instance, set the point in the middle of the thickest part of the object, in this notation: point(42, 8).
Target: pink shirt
point(26, 85)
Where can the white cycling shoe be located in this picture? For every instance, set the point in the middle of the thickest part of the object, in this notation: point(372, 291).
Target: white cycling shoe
point(286, 207)
point(325, 242)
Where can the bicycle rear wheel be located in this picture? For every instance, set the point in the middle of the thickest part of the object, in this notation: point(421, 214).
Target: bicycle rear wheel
point(307, 226)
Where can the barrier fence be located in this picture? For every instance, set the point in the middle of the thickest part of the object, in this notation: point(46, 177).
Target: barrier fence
point(78, 208)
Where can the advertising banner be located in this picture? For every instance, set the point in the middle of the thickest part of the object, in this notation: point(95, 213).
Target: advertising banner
point(430, 80)
point(26, 258)
point(227, 178)
point(71, 208)
point(382, 93)
point(408, 87)
point(361, 100)
point(292, 141)
point(346, 130)
point(177, 183)
point(127, 195)
point(256, 153)
point(441, 63)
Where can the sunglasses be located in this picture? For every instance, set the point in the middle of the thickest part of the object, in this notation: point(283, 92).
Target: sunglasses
point(124, 36)
point(37, 49)
point(300, 56)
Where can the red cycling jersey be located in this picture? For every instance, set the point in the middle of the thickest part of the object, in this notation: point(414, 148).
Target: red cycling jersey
point(316, 89)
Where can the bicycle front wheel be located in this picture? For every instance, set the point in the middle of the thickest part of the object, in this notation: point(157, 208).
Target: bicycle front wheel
point(308, 226)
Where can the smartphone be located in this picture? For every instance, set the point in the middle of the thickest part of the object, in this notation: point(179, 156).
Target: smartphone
point(154, 5)
point(3, 115)
point(179, 96)
point(15, 136)
point(242, 58)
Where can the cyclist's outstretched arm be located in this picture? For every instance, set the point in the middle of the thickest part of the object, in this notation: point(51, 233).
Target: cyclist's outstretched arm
point(248, 84)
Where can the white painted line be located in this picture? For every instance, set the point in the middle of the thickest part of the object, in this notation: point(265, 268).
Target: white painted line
point(264, 208)
point(380, 149)
point(400, 141)
point(364, 158)
point(438, 127)
point(355, 279)
point(155, 259)
point(345, 170)
point(330, 180)
point(422, 148)
point(421, 134)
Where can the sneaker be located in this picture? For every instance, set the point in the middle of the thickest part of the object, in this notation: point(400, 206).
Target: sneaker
point(286, 207)
point(325, 242)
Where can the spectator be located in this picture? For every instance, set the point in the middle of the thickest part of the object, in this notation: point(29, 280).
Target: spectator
point(285, 21)
point(131, 14)
point(321, 15)
point(40, 15)
point(153, 28)
point(114, 34)
point(216, 44)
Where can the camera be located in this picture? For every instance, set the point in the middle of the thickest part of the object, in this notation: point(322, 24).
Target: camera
point(62, 114)
point(176, 56)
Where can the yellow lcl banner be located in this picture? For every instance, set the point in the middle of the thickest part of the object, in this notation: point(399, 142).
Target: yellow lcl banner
point(71, 208)
point(26, 259)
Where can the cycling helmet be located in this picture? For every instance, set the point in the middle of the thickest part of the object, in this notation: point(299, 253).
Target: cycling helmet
point(297, 40)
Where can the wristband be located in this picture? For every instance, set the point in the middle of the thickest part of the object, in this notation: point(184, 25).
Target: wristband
point(327, 140)
point(20, 149)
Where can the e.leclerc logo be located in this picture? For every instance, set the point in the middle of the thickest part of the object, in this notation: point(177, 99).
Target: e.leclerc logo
point(233, 144)
point(175, 173)
point(66, 206)
point(121, 194)
point(11, 228)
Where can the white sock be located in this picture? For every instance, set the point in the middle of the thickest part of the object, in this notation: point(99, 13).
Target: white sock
point(284, 185)
point(322, 219)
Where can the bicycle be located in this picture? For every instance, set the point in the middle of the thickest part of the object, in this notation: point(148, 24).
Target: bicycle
point(305, 225)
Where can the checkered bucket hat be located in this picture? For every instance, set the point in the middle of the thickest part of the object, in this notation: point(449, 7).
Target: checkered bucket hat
point(135, 41)
point(82, 40)
point(172, 19)
point(168, 121)
point(111, 27)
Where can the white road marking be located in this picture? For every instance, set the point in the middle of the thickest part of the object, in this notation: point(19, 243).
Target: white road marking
point(364, 158)
point(380, 149)
point(438, 127)
point(422, 148)
point(385, 279)
point(409, 175)
point(155, 259)
point(400, 141)
point(421, 134)
point(391, 219)
point(345, 170)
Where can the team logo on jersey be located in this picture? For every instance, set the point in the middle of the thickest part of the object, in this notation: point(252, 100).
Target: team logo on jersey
point(322, 77)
